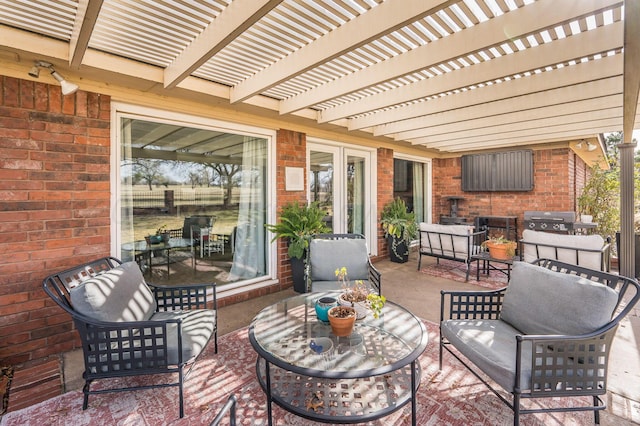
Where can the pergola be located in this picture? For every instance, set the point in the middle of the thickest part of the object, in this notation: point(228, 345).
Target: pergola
point(449, 76)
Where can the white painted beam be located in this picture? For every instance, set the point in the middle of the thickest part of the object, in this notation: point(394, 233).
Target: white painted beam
point(409, 117)
point(86, 17)
point(599, 40)
point(378, 21)
point(514, 118)
point(517, 23)
point(234, 19)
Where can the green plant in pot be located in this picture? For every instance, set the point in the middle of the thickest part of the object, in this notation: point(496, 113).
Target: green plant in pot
point(297, 224)
point(400, 228)
point(500, 248)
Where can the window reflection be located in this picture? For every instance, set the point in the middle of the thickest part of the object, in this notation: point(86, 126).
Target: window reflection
point(205, 188)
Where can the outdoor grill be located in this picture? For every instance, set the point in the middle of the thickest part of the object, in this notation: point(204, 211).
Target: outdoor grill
point(550, 221)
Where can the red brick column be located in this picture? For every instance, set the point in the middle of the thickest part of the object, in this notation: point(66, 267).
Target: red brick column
point(291, 151)
point(54, 207)
point(385, 192)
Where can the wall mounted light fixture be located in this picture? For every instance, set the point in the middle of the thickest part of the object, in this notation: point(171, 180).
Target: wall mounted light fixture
point(67, 88)
point(591, 146)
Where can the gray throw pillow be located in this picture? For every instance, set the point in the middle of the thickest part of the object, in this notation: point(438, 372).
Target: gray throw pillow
point(542, 301)
point(119, 294)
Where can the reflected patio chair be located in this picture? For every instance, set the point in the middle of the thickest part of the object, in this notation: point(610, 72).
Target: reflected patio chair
point(180, 254)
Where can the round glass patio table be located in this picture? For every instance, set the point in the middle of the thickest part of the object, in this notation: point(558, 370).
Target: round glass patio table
point(362, 377)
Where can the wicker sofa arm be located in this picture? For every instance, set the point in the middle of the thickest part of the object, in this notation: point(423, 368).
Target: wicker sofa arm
point(471, 304)
point(192, 296)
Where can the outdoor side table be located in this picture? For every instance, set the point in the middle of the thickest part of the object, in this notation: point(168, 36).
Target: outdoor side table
point(486, 259)
point(141, 247)
point(368, 375)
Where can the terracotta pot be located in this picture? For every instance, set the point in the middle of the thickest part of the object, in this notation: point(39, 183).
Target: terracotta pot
point(342, 327)
point(501, 250)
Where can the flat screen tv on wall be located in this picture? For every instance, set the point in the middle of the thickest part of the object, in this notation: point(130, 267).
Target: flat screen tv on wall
point(498, 171)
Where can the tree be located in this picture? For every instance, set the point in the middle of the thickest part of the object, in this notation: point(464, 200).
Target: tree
point(147, 171)
point(600, 198)
point(226, 173)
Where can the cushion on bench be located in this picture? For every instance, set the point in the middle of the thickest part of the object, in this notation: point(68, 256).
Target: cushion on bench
point(589, 259)
point(119, 294)
point(455, 241)
point(541, 301)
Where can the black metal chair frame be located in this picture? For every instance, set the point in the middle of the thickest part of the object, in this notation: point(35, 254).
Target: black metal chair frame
point(554, 353)
point(228, 407)
point(108, 347)
point(375, 278)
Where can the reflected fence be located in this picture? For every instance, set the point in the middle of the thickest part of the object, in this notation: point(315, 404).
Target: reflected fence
point(168, 200)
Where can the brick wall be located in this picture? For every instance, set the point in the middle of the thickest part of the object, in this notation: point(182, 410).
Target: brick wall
point(291, 151)
point(385, 192)
point(559, 176)
point(54, 207)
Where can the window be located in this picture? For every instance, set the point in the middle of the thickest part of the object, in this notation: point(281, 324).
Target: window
point(207, 186)
point(411, 183)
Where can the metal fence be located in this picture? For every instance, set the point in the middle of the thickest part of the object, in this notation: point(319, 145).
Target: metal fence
point(143, 198)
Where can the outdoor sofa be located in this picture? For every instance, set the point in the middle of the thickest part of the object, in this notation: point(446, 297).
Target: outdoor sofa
point(588, 251)
point(130, 328)
point(451, 242)
point(547, 334)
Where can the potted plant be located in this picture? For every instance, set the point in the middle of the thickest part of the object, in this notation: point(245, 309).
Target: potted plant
point(298, 223)
point(358, 296)
point(400, 228)
point(353, 294)
point(500, 247)
point(342, 319)
point(163, 233)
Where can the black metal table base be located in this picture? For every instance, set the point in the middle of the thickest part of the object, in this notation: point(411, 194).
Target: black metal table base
point(339, 401)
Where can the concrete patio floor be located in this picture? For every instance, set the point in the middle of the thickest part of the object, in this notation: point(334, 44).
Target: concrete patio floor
point(420, 293)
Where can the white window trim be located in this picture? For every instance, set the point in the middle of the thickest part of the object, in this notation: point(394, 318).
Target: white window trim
point(121, 109)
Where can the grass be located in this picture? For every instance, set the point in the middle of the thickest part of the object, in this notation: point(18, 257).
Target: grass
point(144, 225)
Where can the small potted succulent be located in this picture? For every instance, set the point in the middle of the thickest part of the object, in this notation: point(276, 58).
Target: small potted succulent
point(359, 296)
point(353, 294)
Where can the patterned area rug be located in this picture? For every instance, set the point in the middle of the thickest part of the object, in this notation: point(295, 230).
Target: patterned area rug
point(449, 397)
point(457, 271)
